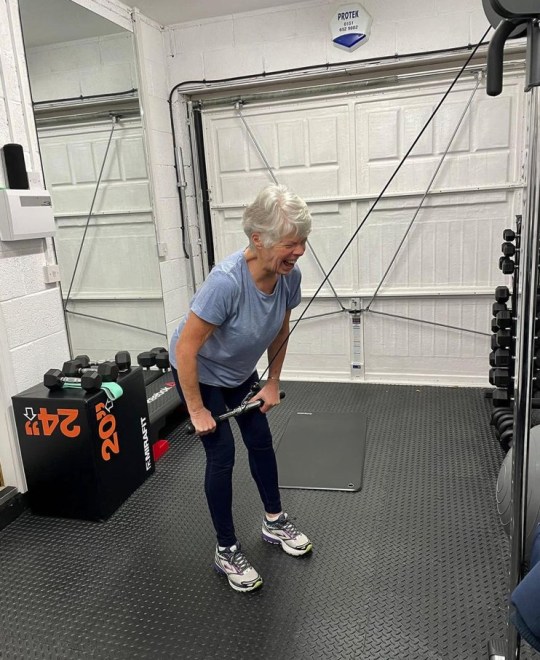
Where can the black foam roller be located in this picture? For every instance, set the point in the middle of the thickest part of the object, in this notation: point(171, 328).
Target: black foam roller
point(15, 167)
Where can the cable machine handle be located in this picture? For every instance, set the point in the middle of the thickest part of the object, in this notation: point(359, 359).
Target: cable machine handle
point(235, 412)
point(495, 56)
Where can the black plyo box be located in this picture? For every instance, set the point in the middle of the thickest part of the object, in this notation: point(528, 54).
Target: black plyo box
point(83, 454)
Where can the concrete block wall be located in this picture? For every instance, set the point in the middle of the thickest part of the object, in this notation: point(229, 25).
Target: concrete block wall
point(299, 35)
point(103, 65)
point(32, 330)
point(150, 39)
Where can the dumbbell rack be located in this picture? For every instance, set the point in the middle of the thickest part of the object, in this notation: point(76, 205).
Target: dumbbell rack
point(503, 340)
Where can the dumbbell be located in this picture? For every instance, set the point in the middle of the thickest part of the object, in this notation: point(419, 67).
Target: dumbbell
point(509, 235)
point(84, 360)
point(508, 249)
point(502, 321)
point(162, 357)
point(506, 438)
point(501, 358)
point(500, 378)
point(162, 360)
point(502, 294)
point(507, 266)
point(146, 359)
point(497, 415)
point(107, 370)
point(123, 360)
point(499, 307)
point(54, 379)
point(504, 339)
point(504, 421)
point(505, 424)
point(501, 398)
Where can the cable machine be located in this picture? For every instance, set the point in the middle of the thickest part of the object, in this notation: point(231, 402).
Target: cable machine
point(515, 18)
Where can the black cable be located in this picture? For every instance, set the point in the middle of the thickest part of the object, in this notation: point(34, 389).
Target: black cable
point(90, 213)
point(318, 316)
point(440, 325)
point(127, 325)
point(385, 188)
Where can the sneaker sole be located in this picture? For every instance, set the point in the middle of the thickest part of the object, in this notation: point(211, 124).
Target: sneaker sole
point(256, 585)
point(294, 552)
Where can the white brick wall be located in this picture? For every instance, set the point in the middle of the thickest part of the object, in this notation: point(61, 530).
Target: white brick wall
point(291, 37)
point(103, 65)
point(152, 44)
point(32, 331)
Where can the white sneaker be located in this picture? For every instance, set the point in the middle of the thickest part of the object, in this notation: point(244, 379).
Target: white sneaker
point(233, 563)
point(284, 531)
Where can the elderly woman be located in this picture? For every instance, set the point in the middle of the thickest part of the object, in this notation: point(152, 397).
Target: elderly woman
point(242, 310)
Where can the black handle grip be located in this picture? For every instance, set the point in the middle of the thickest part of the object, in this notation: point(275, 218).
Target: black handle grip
point(240, 410)
point(495, 56)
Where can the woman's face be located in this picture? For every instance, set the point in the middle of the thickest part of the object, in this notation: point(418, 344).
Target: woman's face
point(281, 257)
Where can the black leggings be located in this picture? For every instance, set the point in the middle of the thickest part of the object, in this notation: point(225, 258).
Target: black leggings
point(219, 447)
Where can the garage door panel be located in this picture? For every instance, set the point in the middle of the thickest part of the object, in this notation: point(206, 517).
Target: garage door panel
point(323, 140)
point(333, 225)
point(449, 248)
point(133, 158)
point(101, 339)
point(228, 233)
point(231, 156)
point(445, 123)
point(118, 260)
point(111, 169)
point(423, 352)
point(78, 199)
point(103, 268)
point(82, 163)
point(343, 149)
point(319, 347)
point(265, 135)
point(56, 163)
point(493, 123)
point(382, 135)
point(307, 150)
point(414, 119)
point(292, 141)
point(480, 154)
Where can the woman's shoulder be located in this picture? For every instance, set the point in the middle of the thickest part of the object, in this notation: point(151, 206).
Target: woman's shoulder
point(230, 264)
point(228, 270)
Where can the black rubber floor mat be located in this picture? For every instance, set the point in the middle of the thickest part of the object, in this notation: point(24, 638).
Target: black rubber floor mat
point(323, 451)
point(412, 567)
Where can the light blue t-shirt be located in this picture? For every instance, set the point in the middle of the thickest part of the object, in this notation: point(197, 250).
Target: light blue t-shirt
point(248, 320)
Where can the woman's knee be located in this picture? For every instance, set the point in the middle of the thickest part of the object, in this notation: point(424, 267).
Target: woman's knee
point(257, 435)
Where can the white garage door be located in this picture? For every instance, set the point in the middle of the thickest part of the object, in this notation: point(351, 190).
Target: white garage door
point(338, 152)
point(116, 297)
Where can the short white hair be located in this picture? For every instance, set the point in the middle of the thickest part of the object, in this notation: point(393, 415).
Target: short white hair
point(276, 212)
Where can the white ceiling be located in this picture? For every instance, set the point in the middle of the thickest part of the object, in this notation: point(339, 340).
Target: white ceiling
point(55, 21)
point(168, 12)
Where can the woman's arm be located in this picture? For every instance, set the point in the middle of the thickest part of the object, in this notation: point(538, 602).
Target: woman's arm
point(276, 356)
point(193, 336)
